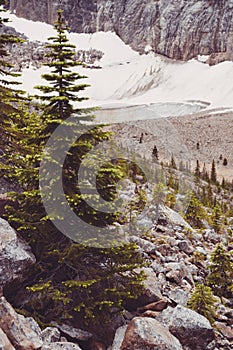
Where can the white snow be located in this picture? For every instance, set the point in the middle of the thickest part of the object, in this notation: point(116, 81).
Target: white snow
point(114, 49)
point(129, 79)
point(35, 31)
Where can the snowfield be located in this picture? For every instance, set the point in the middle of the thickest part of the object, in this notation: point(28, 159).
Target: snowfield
point(129, 79)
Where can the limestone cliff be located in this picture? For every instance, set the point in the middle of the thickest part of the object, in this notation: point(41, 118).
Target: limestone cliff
point(179, 29)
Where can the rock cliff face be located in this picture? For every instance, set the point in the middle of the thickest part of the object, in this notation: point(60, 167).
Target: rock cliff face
point(179, 29)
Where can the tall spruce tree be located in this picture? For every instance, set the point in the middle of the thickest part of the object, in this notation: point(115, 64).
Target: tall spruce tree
point(203, 302)
point(195, 213)
point(213, 174)
point(221, 271)
point(62, 90)
point(10, 96)
point(72, 280)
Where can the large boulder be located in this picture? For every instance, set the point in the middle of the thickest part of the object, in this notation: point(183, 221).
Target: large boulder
point(75, 333)
point(152, 291)
point(148, 334)
point(16, 258)
point(21, 331)
point(5, 344)
point(193, 330)
point(174, 217)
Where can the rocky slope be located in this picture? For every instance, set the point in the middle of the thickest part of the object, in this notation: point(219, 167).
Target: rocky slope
point(179, 29)
point(170, 247)
point(179, 136)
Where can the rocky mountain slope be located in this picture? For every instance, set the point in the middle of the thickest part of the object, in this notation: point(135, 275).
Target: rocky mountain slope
point(212, 131)
point(177, 256)
point(178, 29)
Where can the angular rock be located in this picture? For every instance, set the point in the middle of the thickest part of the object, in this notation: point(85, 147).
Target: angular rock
point(177, 272)
point(16, 258)
point(157, 306)
point(179, 296)
point(75, 333)
point(146, 246)
point(226, 331)
point(174, 218)
point(51, 334)
point(193, 330)
point(148, 334)
point(60, 346)
point(5, 344)
point(152, 292)
point(186, 247)
point(151, 314)
point(18, 329)
point(119, 336)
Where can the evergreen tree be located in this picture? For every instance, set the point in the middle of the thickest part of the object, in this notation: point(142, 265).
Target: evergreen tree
point(221, 271)
point(224, 162)
point(195, 213)
point(72, 280)
point(197, 172)
point(223, 184)
point(204, 173)
point(155, 155)
point(62, 90)
point(213, 174)
point(217, 218)
point(10, 96)
point(202, 301)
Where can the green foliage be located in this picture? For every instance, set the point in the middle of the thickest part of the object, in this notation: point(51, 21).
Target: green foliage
point(9, 96)
point(170, 200)
point(213, 174)
point(221, 271)
point(71, 280)
point(195, 213)
point(197, 171)
point(63, 88)
point(202, 301)
point(95, 293)
point(216, 218)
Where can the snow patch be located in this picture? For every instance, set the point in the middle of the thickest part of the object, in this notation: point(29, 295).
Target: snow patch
point(130, 79)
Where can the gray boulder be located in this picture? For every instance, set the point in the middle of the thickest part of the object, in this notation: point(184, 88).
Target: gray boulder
point(152, 291)
point(119, 336)
point(75, 333)
point(19, 330)
point(16, 258)
point(193, 330)
point(179, 296)
point(148, 334)
point(5, 344)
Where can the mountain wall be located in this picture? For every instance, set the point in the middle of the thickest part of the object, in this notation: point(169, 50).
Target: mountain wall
point(179, 29)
